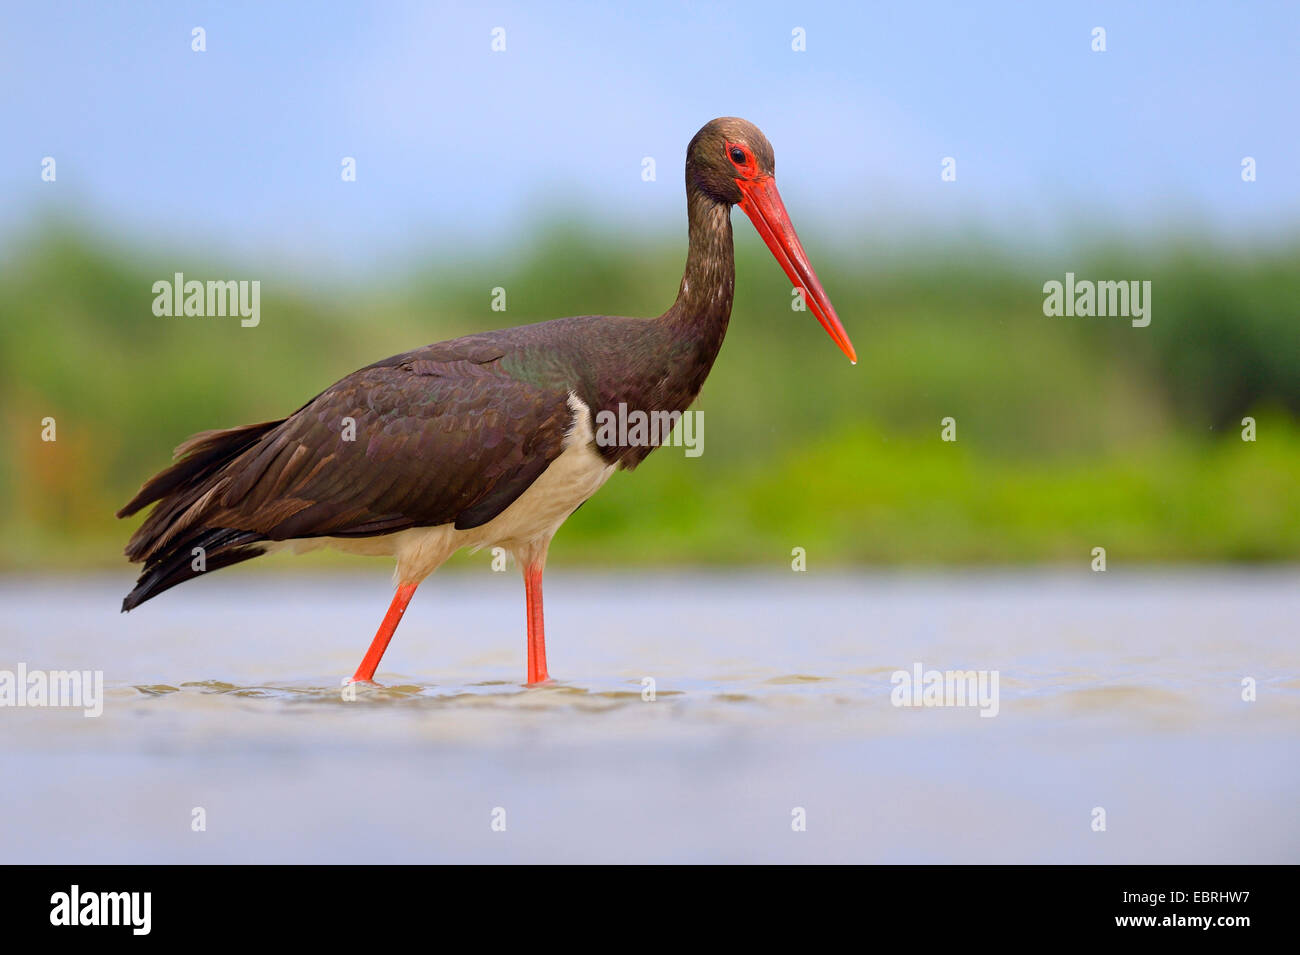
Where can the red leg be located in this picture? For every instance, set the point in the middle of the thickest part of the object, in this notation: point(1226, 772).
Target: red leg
point(536, 626)
point(391, 619)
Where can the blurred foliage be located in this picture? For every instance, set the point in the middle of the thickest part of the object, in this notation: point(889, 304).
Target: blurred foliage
point(1072, 432)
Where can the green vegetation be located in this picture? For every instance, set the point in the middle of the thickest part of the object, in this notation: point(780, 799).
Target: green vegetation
point(1072, 432)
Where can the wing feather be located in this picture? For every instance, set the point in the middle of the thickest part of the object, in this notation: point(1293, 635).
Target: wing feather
point(433, 443)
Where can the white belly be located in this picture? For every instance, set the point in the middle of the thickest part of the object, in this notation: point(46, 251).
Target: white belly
point(524, 528)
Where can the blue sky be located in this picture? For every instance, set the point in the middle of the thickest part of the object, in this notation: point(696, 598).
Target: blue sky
point(238, 149)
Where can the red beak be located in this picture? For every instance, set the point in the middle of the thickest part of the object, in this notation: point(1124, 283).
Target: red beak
point(763, 205)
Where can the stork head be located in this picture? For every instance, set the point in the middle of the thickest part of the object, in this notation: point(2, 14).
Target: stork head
point(730, 161)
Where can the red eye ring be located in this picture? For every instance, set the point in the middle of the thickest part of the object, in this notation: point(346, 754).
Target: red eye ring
point(745, 165)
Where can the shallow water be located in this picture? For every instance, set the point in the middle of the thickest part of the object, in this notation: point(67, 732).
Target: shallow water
point(772, 693)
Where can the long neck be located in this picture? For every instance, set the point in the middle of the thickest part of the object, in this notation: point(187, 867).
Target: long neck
point(698, 319)
point(667, 364)
point(709, 279)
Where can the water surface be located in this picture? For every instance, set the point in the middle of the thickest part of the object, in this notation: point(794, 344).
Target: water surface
point(772, 695)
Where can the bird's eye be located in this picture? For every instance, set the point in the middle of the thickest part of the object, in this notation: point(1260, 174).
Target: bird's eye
point(737, 155)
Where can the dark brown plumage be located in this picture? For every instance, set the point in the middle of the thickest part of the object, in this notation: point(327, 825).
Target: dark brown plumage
point(455, 432)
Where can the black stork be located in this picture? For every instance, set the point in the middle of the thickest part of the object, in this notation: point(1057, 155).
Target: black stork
point(485, 440)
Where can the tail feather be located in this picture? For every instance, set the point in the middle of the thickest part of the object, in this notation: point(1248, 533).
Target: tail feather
point(166, 541)
point(190, 557)
point(197, 456)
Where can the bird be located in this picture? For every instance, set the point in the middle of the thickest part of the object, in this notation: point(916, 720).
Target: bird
point(487, 440)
